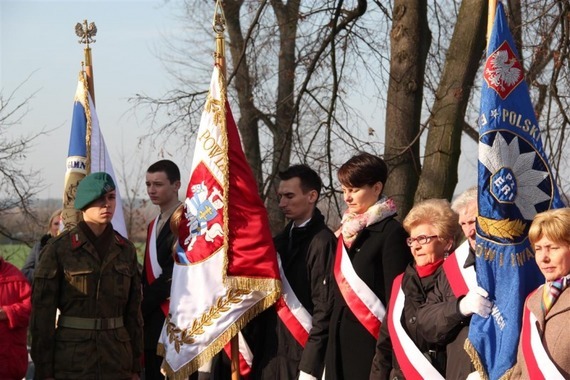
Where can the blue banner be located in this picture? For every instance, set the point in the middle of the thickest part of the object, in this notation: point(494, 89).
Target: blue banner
point(515, 183)
point(87, 153)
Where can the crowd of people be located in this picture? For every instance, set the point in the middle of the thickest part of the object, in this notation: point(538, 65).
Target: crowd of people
point(381, 299)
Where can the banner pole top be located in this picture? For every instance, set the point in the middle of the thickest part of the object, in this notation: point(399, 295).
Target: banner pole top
point(219, 27)
point(86, 32)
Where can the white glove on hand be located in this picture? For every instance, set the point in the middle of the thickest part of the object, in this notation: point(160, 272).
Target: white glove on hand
point(473, 376)
point(476, 303)
point(306, 376)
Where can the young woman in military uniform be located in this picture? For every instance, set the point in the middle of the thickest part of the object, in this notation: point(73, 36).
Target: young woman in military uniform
point(90, 274)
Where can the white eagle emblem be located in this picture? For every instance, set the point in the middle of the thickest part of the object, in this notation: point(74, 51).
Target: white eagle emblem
point(199, 210)
point(503, 71)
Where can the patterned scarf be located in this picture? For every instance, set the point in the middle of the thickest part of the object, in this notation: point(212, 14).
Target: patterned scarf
point(352, 223)
point(551, 291)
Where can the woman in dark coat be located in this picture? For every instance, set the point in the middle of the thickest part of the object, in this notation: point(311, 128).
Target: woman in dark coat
point(371, 252)
point(432, 226)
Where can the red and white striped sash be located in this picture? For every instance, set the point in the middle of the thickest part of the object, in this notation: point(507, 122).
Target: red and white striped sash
point(292, 313)
point(361, 300)
point(538, 363)
point(153, 268)
point(413, 363)
point(461, 279)
point(245, 356)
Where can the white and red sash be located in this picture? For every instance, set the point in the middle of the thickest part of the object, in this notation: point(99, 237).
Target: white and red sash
point(413, 363)
point(361, 300)
point(292, 313)
point(538, 363)
point(245, 356)
point(153, 268)
point(461, 279)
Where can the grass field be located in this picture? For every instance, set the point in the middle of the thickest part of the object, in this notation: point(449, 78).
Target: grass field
point(17, 253)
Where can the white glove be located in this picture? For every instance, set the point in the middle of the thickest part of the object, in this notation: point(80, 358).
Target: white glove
point(306, 376)
point(473, 376)
point(475, 302)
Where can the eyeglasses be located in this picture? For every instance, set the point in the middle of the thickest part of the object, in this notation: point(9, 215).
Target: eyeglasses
point(422, 239)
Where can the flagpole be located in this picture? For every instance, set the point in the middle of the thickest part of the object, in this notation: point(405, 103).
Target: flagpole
point(86, 32)
point(219, 26)
point(491, 18)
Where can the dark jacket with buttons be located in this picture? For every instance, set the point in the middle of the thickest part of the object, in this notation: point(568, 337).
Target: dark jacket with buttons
point(416, 290)
point(378, 254)
point(306, 256)
point(441, 322)
point(86, 277)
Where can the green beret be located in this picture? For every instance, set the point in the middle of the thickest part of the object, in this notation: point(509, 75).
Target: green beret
point(92, 187)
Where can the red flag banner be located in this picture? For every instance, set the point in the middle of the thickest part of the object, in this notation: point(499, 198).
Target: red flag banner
point(225, 268)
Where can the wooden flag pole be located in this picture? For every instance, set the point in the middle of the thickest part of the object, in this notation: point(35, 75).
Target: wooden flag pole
point(491, 18)
point(219, 26)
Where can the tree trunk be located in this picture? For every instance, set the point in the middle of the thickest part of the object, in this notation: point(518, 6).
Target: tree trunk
point(248, 122)
point(443, 146)
point(410, 39)
point(287, 18)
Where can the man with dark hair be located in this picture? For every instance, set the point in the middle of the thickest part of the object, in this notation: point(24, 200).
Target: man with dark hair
point(293, 334)
point(162, 185)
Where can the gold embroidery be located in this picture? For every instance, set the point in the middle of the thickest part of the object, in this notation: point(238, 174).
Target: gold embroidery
point(180, 337)
point(504, 228)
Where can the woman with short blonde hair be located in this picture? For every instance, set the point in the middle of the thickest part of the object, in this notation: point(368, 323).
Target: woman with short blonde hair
point(547, 310)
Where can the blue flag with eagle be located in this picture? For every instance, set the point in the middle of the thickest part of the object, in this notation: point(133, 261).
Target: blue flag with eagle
point(515, 183)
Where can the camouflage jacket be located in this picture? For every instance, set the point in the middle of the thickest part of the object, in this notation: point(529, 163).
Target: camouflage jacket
point(72, 278)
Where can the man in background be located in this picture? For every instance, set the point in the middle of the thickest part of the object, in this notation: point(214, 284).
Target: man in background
point(162, 185)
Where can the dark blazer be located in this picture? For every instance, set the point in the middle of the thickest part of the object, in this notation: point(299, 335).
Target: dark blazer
point(378, 254)
point(306, 256)
point(154, 294)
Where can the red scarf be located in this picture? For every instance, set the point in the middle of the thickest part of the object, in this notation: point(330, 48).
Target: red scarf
point(429, 269)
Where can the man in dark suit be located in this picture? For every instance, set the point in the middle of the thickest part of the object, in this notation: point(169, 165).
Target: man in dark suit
point(306, 246)
point(162, 185)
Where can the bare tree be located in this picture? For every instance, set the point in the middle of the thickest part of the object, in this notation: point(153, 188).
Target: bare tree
point(135, 201)
point(18, 185)
point(295, 66)
point(410, 40)
point(446, 119)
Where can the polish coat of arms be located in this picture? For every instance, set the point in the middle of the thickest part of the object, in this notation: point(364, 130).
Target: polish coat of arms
point(200, 209)
point(503, 71)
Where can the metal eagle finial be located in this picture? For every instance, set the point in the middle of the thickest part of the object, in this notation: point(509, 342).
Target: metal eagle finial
point(219, 21)
point(86, 32)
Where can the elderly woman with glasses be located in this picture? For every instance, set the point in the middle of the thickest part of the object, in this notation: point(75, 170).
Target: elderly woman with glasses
point(371, 252)
point(401, 351)
point(545, 339)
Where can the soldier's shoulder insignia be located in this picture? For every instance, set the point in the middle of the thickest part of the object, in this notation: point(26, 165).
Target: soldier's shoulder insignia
point(119, 239)
point(75, 242)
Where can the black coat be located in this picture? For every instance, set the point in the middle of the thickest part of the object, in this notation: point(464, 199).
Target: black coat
point(378, 254)
point(306, 256)
point(440, 322)
point(416, 290)
point(157, 292)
